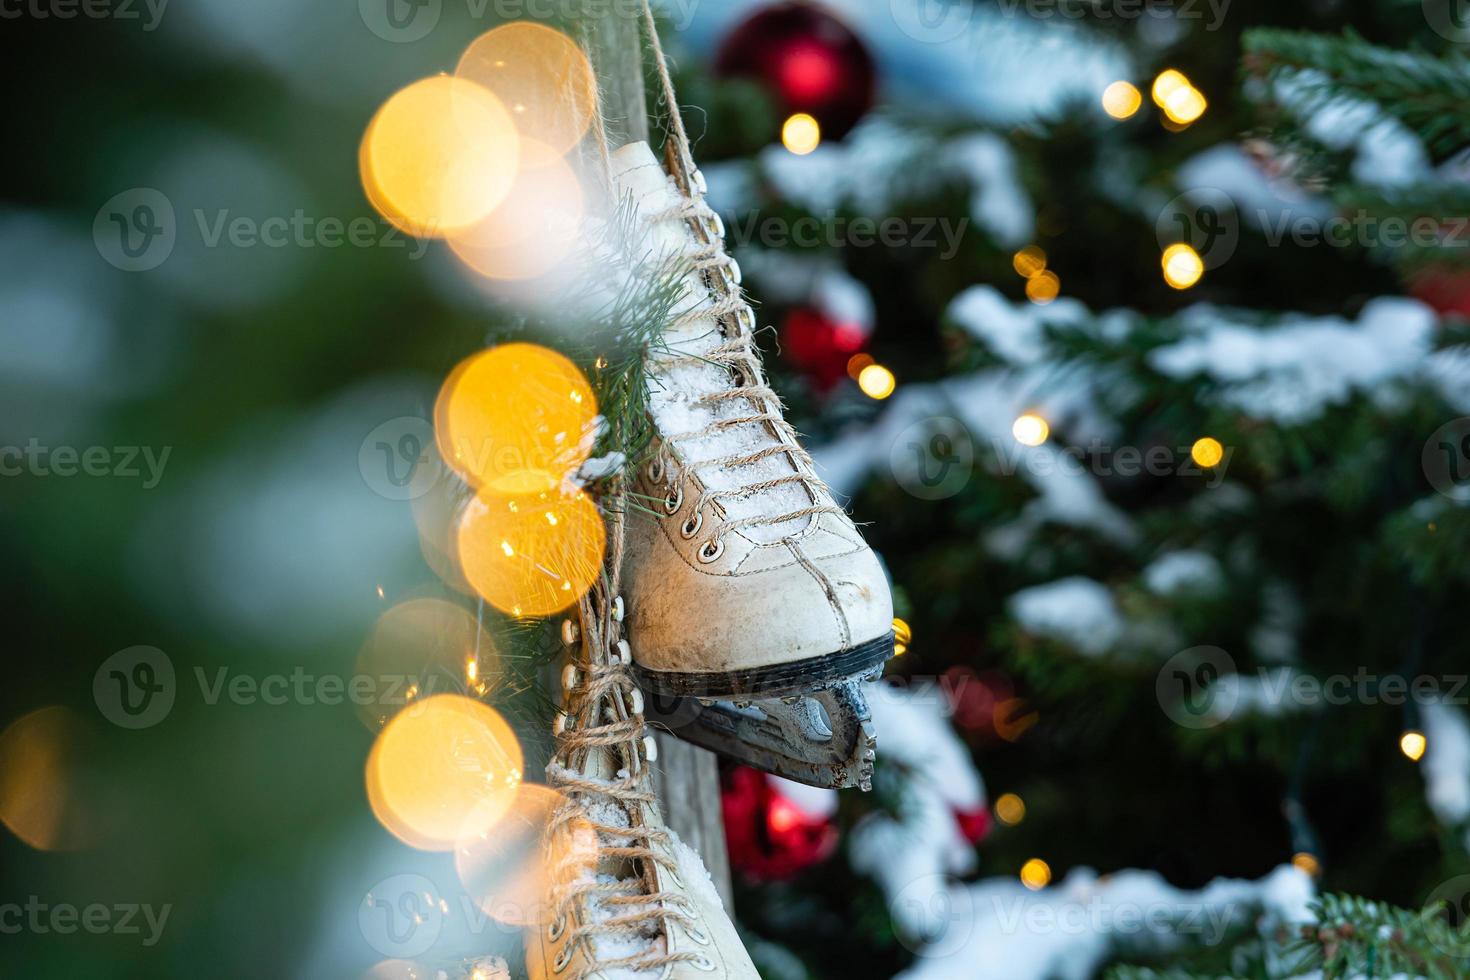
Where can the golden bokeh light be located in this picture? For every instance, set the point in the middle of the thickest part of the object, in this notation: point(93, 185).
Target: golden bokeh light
point(540, 75)
point(419, 648)
point(1010, 809)
point(515, 419)
point(443, 771)
point(801, 133)
point(1121, 99)
point(532, 555)
point(510, 872)
point(1182, 265)
point(1184, 105)
point(43, 799)
point(876, 381)
point(535, 228)
point(1308, 863)
point(1030, 429)
point(1413, 745)
point(1029, 261)
point(1043, 287)
point(1169, 81)
point(1035, 874)
point(857, 362)
point(1207, 452)
point(903, 635)
point(438, 156)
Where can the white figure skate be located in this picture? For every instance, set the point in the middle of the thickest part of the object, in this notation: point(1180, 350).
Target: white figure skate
point(750, 590)
point(628, 897)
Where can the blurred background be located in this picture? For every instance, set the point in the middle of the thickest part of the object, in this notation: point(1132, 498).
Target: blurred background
point(1134, 331)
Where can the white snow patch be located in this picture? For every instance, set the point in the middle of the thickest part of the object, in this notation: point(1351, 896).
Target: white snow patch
point(1183, 571)
point(1077, 610)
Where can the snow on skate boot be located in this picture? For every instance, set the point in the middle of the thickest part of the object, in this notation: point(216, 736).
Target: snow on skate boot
point(628, 896)
point(749, 585)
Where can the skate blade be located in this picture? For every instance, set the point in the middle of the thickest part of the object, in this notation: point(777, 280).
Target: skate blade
point(823, 738)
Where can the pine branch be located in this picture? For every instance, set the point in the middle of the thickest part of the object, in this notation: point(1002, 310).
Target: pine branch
point(1427, 94)
point(1420, 225)
point(1357, 937)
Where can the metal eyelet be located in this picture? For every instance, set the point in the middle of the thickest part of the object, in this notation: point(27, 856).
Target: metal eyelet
point(696, 178)
point(562, 959)
point(691, 527)
point(704, 964)
point(718, 224)
point(674, 500)
point(556, 929)
point(711, 551)
point(732, 272)
point(655, 470)
point(700, 937)
point(570, 632)
point(746, 318)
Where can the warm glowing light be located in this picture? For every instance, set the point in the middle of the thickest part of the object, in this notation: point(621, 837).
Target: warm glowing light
point(1043, 287)
point(1182, 265)
point(421, 645)
point(1166, 84)
point(510, 871)
point(444, 771)
point(1121, 99)
point(535, 228)
point(876, 381)
point(1035, 874)
point(438, 156)
point(540, 75)
point(41, 799)
point(857, 362)
point(525, 565)
point(1413, 745)
point(903, 635)
point(801, 134)
point(1308, 863)
point(515, 419)
point(1030, 429)
point(1010, 809)
point(1184, 105)
point(1207, 452)
point(1029, 261)
point(783, 816)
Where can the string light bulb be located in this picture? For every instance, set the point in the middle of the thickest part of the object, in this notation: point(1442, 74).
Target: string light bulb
point(1182, 265)
point(1043, 287)
point(1010, 809)
point(1207, 452)
point(801, 133)
point(1029, 261)
point(876, 381)
point(1036, 874)
point(1413, 745)
point(1030, 429)
point(1121, 99)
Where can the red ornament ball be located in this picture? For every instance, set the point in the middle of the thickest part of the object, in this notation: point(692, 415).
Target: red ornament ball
point(770, 837)
point(974, 824)
point(1448, 292)
point(820, 345)
point(808, 58)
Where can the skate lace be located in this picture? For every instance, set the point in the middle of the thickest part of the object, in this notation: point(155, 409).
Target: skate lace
point(599, 721)
point(731, 314)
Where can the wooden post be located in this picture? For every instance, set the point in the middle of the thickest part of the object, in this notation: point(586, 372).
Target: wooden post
point(686, 777)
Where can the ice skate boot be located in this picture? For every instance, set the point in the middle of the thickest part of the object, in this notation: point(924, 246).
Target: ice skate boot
point(749, 588)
